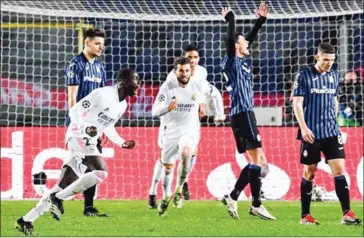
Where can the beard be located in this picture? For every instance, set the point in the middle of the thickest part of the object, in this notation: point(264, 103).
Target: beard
point(183, 83)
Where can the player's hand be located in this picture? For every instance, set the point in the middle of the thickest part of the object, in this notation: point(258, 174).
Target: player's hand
point(225, 11)
point(172, 105)
point(262, 10)
point(307, 135)
point(202, 111)
point(220, 118)
point(128, 144)
point(91, 131)
point(104, 139)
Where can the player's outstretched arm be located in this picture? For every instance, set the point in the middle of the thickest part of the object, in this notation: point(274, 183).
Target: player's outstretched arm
point(230, 41)
point(261, 14)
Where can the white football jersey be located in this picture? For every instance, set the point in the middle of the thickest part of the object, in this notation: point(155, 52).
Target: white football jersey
point(184, 119)
point(211, 96)
point(101, 109)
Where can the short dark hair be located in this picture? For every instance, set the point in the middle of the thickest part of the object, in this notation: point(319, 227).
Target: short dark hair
point(181, 61)
point(127, 75)
point(189, 48)
point(237, 36)
point(94, 32)
point(326, 48)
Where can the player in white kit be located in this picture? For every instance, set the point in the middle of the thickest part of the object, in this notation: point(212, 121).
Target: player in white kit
point(179, 108)
point(212, 104)
point(95, 114)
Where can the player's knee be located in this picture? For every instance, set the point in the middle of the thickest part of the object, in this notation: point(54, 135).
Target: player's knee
point(100, 175)
point(186, 153)
point(309, 173)
point(338, 172)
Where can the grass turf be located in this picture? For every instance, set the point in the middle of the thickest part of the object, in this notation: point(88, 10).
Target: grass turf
point(196, 218)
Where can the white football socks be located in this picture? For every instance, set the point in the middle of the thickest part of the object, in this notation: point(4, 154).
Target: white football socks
point(82, 183)
point(157, 175)
point(167, 184)
point(42, 206)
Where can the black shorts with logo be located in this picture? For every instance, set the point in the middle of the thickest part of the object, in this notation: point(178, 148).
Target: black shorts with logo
point(332, 148)
point(244, 126)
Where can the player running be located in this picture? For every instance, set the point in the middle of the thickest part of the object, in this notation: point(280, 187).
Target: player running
point(95, 114)
point(212, 102)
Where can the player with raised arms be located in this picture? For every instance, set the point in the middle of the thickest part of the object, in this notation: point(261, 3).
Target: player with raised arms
point(238, 75)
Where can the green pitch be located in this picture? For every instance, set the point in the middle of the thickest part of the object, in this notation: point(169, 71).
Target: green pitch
point(197, 218)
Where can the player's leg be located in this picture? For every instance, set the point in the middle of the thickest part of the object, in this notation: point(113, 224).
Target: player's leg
point(257, 162)
point(157, 176)
point(25, 223)
point(89, 194)
point(79, 148)
point(333, 149)
point(231, 200)
point(86, 180)
point(169, 155)
point(186, 144)
point(310, 157)
point(185, 189)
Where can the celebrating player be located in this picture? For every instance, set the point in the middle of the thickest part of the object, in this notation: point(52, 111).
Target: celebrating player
point(213, 101)
point(179, 108)
point(95, 114)
point(238, 76)
point(84, 73)
point(316, 107)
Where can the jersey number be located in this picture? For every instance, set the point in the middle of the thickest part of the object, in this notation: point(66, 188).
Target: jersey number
point(87, 140)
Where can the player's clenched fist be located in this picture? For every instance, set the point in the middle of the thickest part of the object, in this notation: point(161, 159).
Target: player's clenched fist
point(172, 105)
point(91, 131)
point(128, 144)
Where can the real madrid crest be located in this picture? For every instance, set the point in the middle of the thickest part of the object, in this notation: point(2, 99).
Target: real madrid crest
point(193, 97)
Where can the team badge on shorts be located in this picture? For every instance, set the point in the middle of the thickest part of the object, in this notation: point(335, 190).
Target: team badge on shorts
point(305, 153)
point(258, 137)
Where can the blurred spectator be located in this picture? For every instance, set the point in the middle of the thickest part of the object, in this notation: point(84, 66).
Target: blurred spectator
point(351, 100)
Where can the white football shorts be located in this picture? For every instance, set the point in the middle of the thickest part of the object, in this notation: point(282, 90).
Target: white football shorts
point(172, 148)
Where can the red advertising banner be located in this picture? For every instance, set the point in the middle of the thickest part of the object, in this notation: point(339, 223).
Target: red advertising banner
point(29, 150)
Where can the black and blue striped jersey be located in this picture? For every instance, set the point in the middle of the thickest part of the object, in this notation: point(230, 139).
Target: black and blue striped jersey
point(87, 75)
point(318, 91)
